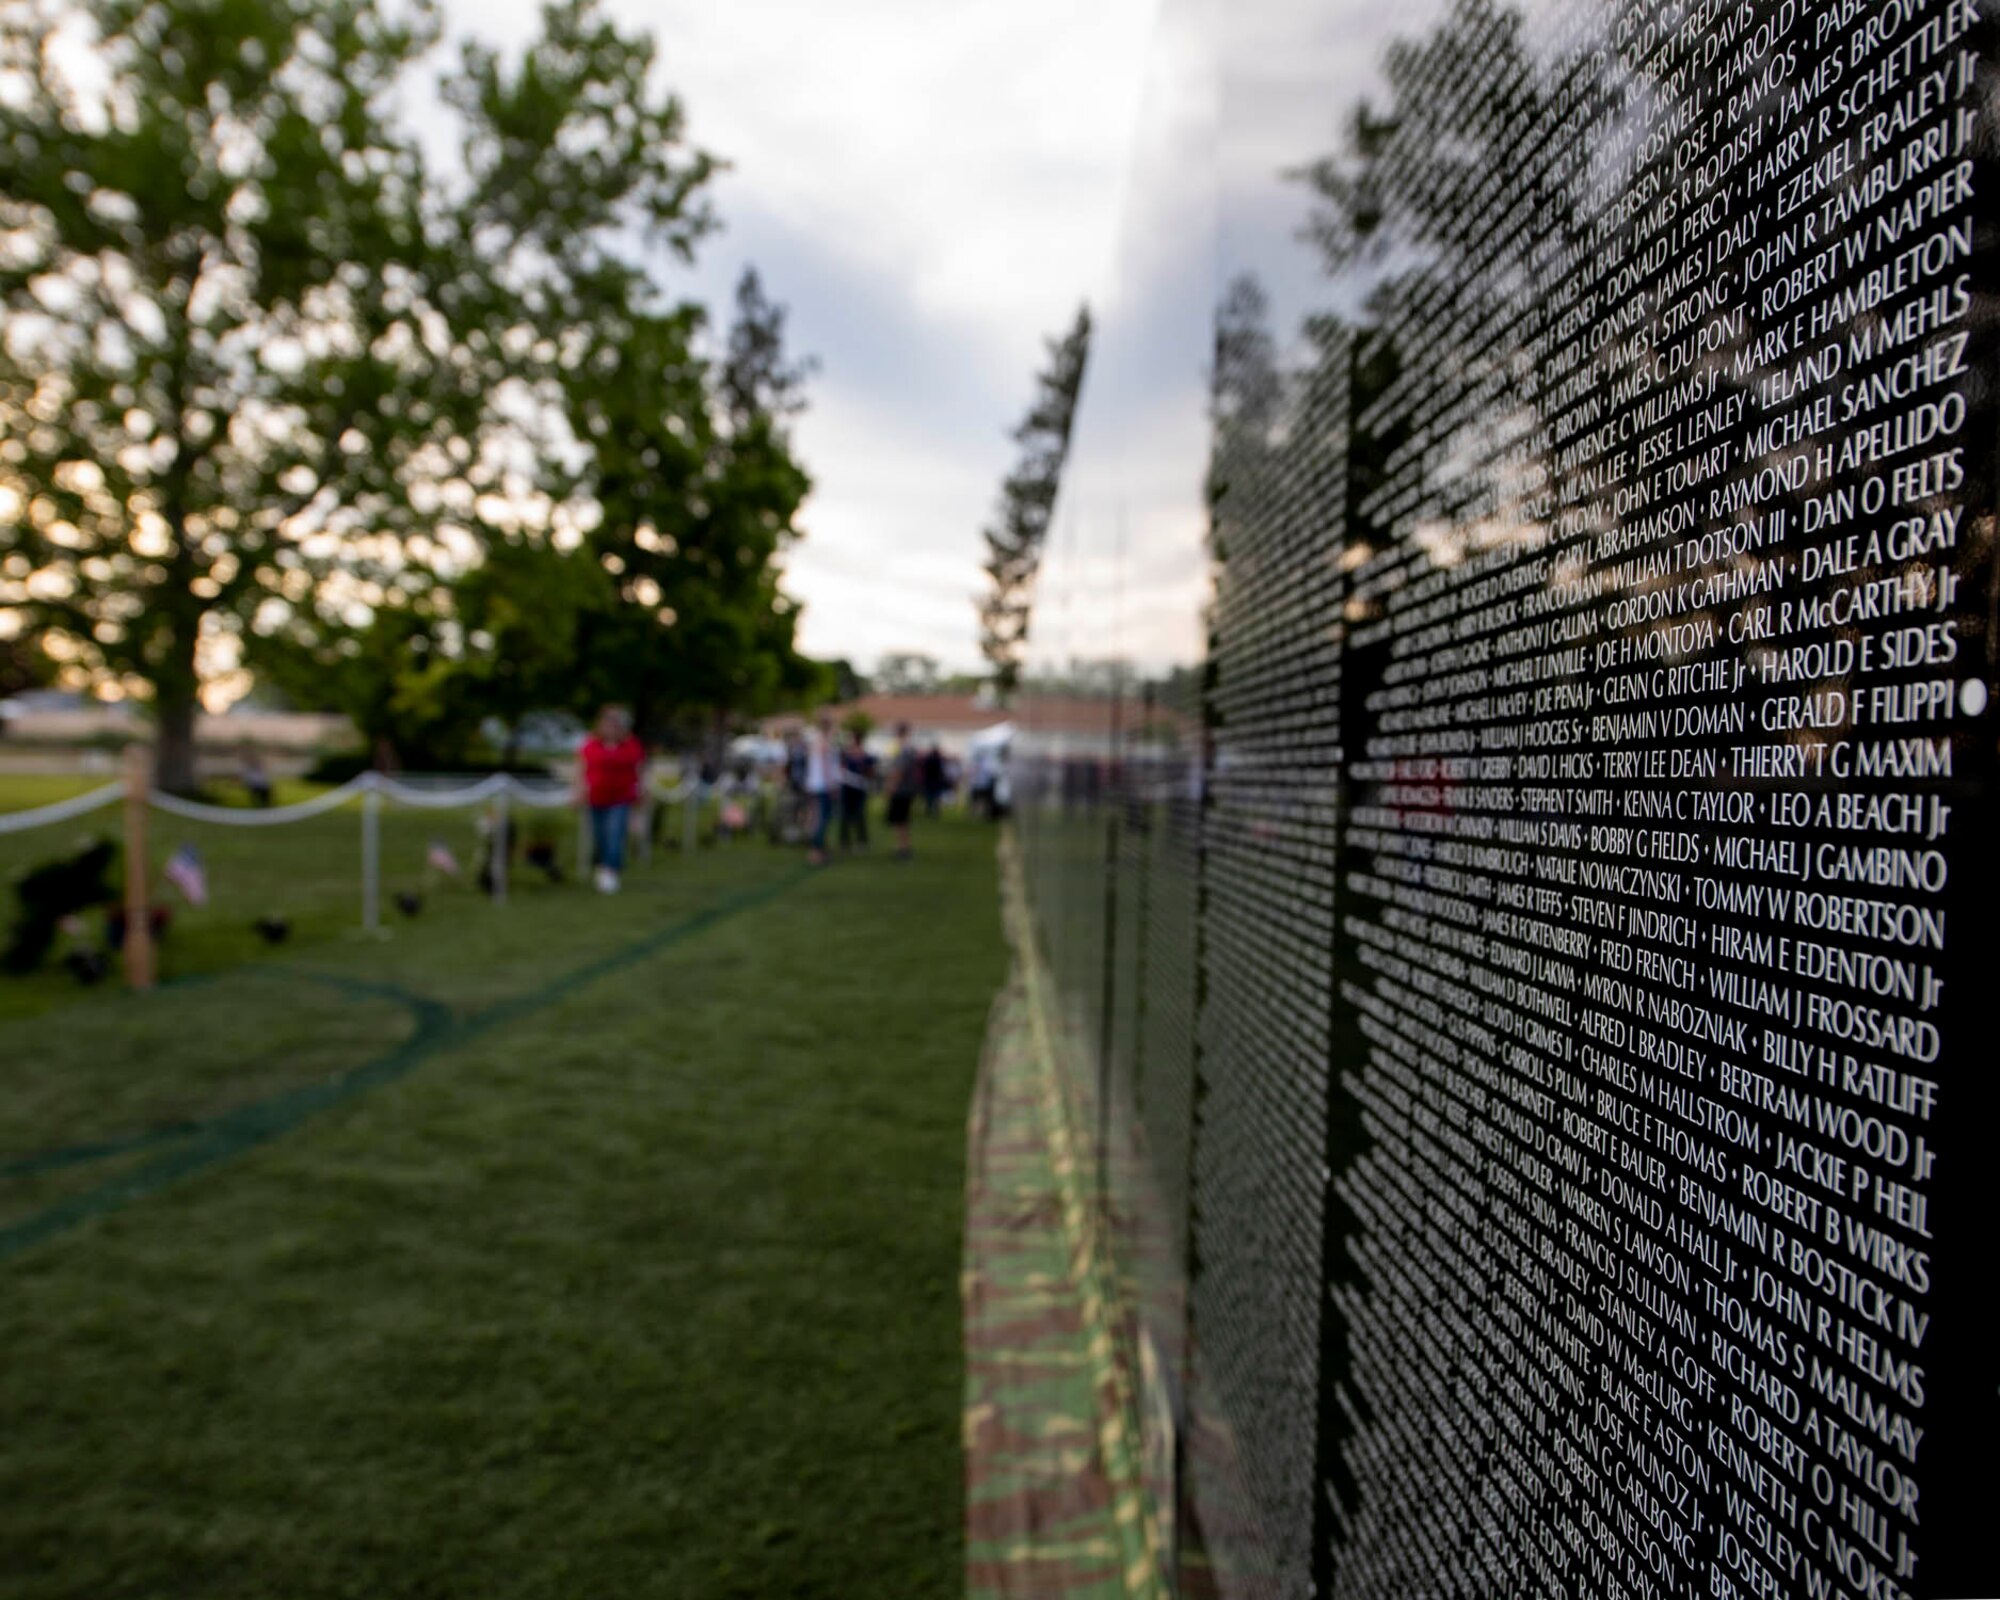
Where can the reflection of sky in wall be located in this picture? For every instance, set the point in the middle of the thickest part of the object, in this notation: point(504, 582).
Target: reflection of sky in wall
point(1293, 73)
point(929, 187)
point(1238, 97)
point(1126, 567)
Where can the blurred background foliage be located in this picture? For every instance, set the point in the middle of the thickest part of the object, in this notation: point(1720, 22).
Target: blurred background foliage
point(431, 444)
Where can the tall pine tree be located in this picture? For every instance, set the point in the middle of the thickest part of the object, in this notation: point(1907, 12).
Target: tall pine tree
point(1015, 538)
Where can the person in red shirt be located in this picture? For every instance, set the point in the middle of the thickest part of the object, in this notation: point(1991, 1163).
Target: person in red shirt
point(610, 768)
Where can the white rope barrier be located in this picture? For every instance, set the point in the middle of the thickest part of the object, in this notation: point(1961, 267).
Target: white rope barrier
point(541, 796)
point(62, 810)
point(493, 784)
point(538, 796)
point(262, 816)
point(373, 789)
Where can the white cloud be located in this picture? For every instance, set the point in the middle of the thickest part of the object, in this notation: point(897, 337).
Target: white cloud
point(962, 160)
point(969, 151)
point(890, 560)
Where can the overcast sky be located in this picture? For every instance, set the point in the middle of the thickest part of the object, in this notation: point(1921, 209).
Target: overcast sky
point(931, 186)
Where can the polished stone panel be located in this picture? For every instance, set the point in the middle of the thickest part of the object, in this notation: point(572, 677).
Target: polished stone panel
point(1508, 794)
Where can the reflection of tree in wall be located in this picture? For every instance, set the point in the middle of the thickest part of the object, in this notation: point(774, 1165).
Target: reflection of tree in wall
point(1020, 528)
point(1320, 438)
point(1454, 303)
point(1276, 499)
point(1245, 395)
point(1401, 213)
point(1404, 207)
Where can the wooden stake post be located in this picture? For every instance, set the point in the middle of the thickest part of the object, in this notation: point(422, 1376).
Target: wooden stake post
point(139, 970)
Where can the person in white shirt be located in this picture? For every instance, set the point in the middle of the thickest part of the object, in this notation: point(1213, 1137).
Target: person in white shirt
point(822, 782)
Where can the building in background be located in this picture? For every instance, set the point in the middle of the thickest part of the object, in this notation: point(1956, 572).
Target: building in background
point(949, 721)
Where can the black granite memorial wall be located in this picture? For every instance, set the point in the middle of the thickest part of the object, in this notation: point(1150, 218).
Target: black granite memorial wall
point(1507, 796)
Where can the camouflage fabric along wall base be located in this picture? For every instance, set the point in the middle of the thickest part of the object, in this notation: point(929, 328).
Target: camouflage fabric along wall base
point(1054, 1503)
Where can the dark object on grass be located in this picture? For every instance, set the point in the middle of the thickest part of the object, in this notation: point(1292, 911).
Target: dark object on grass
point(87, 964)
point(114, 925)
point(272, 930)
point(48, 893)
point(409, 902)
point(541, 853)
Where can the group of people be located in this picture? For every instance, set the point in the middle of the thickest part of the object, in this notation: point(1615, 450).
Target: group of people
point(836, 777)
point(827, 777)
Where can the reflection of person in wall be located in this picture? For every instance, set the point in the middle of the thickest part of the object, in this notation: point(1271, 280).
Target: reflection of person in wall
point(610, 766)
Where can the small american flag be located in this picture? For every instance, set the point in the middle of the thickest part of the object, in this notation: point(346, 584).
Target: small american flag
point(186, 873)
point(440, 859)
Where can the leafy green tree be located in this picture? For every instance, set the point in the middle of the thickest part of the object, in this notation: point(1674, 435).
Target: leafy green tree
point(844, 683)
point(698, 503)
point(679, 470)
point(749, 519)
point(572, 154)
point(1015, 538)
point(761, 387)
point(383, 674)
point(371, 673)
point(518, 616)
point(669, 603)
point(574, 157)
point(908, 672)
point(24, 665)
point(431, 449)
point(223, 363)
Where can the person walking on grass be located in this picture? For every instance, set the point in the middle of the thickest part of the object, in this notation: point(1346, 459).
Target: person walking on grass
point(822, 783)
point(906, 783)
point(610, 768)
point(255, 777)
point(857, 768)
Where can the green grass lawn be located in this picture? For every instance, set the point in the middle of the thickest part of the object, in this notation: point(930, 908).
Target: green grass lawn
point(576, 1247)
point(21, 790)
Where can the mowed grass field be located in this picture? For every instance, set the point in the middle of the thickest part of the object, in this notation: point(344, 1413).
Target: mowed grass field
point(574, 1247)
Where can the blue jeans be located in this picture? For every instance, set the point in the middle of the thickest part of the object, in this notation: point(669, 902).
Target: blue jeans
point(608, 826)
point(822, 805)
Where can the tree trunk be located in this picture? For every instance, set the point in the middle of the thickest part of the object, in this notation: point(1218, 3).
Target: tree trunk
point(173, 756)
point(176, 699)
